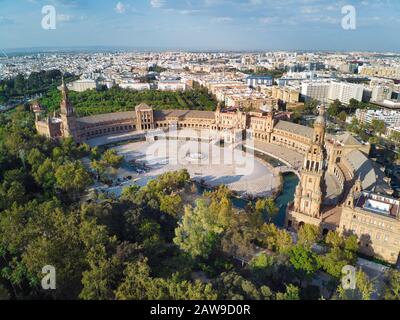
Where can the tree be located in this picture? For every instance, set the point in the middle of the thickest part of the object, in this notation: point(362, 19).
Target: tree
point(378, 126)
point(263, 266)
point(292, 293)
point(196, 234)
point(363, 291)
point(275, 239)
point(343, 251)
point(310, 106)
point(98, 280)
point(220, 207)
point(364, 285)
point(111, 158)
point(338, 257)
point(267, 208)
point(35, 158)
point(392, 291)
point(342, 116)
point(72, 177)
point(138, 285)
point(233, 286)
point(308, 235)
point(304, 260)
point(237, 240)
point(44, 175)
point(333, 239)
point(284, 241)
point(99, 167)
point(395, 136)
point(354, 104)
point(334, 108)
point(373, 140)
point(171, 204)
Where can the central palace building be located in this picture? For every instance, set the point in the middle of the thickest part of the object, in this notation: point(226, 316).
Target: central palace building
point(340, 188)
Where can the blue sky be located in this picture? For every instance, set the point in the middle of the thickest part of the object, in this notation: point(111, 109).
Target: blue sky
point(203, 24)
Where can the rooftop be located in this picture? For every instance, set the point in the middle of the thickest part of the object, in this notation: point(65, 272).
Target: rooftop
point(174, 113)
point(295, 128)
point(114, 116)
point(379, 204)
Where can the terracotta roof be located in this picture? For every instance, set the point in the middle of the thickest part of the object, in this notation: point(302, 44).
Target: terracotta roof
point(114, 116)
point(174, 113)
point(295, 128)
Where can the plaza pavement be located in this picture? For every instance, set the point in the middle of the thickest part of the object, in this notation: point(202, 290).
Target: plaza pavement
point(285, 155)
point(240, 171)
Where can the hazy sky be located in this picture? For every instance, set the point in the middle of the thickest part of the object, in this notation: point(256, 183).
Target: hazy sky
point(203, 24)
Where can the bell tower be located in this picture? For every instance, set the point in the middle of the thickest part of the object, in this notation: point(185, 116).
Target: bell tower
point(309, 194)
point(69, 126)
point(270, 122)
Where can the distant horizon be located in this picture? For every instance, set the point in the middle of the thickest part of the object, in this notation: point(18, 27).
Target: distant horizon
point(106, 48)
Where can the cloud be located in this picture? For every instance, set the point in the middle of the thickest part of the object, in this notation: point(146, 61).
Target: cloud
point(223, 19)
point(157, 3)
point(255, 2)
point(64, 17)
point(309, 10)
point(61, 17)
point(5, 21)
point(120, 8)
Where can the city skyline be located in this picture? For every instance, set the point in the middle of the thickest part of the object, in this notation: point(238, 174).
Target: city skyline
point(201, 25)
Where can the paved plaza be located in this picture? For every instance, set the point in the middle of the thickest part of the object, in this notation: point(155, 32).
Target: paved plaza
point(205, 162)
point(289, 157)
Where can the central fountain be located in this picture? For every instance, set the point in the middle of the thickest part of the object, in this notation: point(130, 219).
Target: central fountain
point(195, 156)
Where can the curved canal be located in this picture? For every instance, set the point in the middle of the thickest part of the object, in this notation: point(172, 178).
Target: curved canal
point(290, 181)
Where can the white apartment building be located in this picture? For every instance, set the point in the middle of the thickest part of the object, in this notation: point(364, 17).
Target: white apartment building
point(381, 93)
point(390, 117)
point(82, 85)
point(171, 85)
point(344, 92)
point(315, 90)
point(135, 86)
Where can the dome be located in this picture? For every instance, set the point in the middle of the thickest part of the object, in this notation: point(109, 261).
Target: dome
point(321, 118)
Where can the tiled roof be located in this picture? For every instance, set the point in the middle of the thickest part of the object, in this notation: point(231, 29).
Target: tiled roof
point(347, 139)
point(174, 113)
point(114, 116)
point(362, 167)
point(295, 128)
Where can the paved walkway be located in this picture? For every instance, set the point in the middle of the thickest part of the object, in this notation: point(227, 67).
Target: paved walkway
point(100, 141)
point(285, 155)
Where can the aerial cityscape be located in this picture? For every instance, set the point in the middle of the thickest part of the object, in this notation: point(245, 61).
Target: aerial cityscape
point(226, 152)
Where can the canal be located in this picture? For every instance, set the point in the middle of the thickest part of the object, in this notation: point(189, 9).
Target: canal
point(290, 181)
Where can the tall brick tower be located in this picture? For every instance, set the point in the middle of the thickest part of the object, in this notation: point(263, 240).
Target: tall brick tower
point(309, 195)
point(69, 127)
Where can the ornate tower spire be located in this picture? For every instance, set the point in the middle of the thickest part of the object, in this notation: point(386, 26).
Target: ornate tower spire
point(320, 127)
point(308, 197)
point(66, 107)
point(69, 126)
